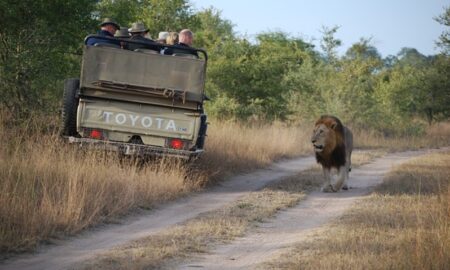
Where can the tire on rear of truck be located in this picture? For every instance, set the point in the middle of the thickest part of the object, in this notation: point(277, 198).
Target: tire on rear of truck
point(70, 106)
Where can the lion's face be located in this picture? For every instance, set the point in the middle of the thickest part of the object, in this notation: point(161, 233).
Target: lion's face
point(323, 137)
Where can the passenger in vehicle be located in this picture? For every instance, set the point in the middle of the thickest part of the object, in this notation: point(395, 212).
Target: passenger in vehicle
point(172, 39)
point(138, 32)
point(123, 33)
point(107, 29)
point(186, 39)
point(162, 36)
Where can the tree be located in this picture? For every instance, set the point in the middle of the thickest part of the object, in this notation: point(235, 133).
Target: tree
point(38, 40)
point(329, 43)
point(362, 50)
point(411, 57)
point(124, 12)
point(169, 15)
point(444, 39)
point(212, 30)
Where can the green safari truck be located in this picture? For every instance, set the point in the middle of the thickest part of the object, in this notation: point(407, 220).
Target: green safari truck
point(140, 102)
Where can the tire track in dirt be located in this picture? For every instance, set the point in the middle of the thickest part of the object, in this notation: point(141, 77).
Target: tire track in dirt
point(296, 224)
point(65, 254)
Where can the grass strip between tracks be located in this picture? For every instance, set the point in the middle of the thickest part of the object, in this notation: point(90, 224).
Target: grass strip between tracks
point(199, 235)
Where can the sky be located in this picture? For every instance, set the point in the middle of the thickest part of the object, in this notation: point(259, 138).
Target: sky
point(391, 24)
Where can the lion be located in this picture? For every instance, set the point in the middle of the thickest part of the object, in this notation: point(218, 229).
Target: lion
point(333, 146)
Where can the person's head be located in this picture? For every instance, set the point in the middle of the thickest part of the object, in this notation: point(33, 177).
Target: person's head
point(138, 29)
point(186, 36)
point(162, 37)
point(123, 34)
point(172, 38)
point(109, 25)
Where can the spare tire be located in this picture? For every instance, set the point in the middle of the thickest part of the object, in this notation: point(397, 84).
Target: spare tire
point(70, 106)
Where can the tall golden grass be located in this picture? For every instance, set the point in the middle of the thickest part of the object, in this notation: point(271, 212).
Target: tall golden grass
point(235, 147)
point(437, 135)
point(405, 224)
point(48, 188)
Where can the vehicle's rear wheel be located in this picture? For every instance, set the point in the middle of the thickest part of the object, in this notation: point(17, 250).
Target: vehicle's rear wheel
point(202, 132)
point(70, 106)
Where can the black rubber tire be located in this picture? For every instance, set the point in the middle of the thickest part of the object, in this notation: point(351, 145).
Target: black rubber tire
point(202, 132)
point(70, 106)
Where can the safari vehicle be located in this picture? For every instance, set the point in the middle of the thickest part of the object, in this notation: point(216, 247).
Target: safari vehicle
point(137, 102)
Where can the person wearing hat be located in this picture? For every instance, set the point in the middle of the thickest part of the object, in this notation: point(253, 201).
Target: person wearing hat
point(138, 32)
point(123, 33)
point(162, 36)
point(107, 29)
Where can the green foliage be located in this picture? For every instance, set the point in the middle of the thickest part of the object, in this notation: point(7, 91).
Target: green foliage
point(212, 31)
point(251, 73)
point(444, 39)
point(124, 12)
point(37, 43)
point(274, 77)
point(169, 15)
point(329, 43)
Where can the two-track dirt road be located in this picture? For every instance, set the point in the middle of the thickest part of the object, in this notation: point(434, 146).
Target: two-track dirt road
point(297, 223)
point(289, 226)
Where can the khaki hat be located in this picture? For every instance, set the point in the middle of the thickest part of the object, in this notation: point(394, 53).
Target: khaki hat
point(138, 27)
point(110, 21)
point(163, 35)
point(122, 33)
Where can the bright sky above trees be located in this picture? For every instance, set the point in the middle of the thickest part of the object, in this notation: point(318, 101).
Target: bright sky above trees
point(392, 24)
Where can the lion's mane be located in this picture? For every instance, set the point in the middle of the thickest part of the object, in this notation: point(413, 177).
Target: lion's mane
point(333, 154)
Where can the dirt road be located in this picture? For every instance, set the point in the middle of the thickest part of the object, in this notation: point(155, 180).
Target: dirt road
point(289, 226)
point(297, 223)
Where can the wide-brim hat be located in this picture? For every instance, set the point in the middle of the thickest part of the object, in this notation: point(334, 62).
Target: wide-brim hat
point(110, 21)
point(138, 27)
point(122, 33)
point(163, 35)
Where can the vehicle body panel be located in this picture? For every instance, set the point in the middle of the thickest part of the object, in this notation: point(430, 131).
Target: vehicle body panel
point(140, 101)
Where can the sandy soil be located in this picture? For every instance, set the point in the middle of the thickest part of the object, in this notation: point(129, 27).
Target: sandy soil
point(296, 224)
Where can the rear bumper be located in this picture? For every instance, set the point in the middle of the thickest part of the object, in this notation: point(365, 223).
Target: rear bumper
point(130, 149)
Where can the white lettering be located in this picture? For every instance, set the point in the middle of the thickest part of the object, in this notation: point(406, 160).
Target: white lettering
point(171, 125)
point(133, 118)
point(159, 120)
point(106, 116)
point(121, 118)
point(146, 122)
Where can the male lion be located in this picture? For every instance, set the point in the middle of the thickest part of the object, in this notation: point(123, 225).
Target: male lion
point(333, 145)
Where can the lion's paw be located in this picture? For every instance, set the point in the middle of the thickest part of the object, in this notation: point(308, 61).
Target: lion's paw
point(328, 188)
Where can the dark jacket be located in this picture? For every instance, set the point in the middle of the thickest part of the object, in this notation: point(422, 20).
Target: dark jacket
point(179, 48)
point(93, 40)
point(150, 44)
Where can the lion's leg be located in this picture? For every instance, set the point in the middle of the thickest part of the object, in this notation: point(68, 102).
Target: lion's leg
point(346, 176)
point(327, 187)
point(348, 168)
point(342, 175)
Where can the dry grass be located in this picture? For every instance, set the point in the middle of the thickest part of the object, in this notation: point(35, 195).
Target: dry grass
point(49, 189)
point(405, 224)
point(233, 147)
point(437, 135)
